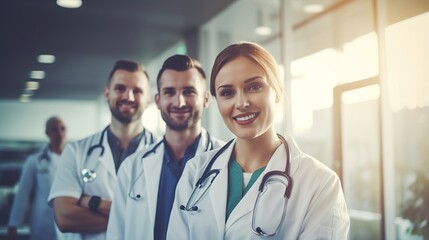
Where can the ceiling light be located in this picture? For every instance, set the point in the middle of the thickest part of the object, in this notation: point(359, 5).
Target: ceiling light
point(69, 3)
point(32, 85)
point(24, 98)
point(313, 8)
point(46, 58)
point(263, 30)
point(37, 74)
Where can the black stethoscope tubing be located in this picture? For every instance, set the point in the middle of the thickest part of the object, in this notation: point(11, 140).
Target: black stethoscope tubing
point(99, 145)
point(208, 171)
point(100, 142)
point(44, 154)
point(209, 146)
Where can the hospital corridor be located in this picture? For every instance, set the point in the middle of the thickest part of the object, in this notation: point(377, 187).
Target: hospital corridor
point(354, 76)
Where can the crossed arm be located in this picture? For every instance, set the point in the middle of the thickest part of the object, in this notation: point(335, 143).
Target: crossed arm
point(74, 215)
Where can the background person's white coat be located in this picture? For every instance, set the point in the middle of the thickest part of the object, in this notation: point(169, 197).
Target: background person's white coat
point(36, 178)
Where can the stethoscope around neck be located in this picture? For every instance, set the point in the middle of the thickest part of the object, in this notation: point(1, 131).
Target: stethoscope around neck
point(44, 160)
point(138, 196)
point(89, 175)
point(272, 177)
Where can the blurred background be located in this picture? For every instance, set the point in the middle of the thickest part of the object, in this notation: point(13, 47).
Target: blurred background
point(356, 75)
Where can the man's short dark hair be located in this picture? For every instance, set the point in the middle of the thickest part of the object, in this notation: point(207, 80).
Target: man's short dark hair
point(180, 63)
point(127, 65)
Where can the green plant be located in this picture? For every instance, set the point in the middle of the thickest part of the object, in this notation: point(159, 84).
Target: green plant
point(417, 208)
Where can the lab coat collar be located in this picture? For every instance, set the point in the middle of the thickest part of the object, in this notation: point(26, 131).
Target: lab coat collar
point(107, 159)
point(219, 194)
point(152, 164)
point(205, 142)
point(246, 204)
point(44, 155)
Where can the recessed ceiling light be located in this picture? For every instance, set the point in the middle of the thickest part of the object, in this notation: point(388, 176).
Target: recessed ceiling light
point(313, 8)
point(263, 31)
point(32, 85)
point(46, 58)
point(69, 3)
point(36, 74)
point(24, 98)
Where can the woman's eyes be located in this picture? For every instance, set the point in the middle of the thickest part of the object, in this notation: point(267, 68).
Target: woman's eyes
point(252, 87)
point(226, 92)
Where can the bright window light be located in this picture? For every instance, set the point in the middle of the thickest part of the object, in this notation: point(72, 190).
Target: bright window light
point(69, 3)
point(46, 58)
point(37, 74)
point(407, 67)
point(364, 94)
point(311, 88)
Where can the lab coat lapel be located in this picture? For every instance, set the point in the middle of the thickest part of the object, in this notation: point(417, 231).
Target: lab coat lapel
point(152, 165)
point(202, 145)
point(219, 191)
point(144, 142)
point(295, 155)
point(247, 203)
point(107, 159)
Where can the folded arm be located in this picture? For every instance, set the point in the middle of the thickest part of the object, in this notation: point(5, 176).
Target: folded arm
point(74, 215)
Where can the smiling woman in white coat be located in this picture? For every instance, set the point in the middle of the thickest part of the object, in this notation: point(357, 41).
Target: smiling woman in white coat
point(259, 185)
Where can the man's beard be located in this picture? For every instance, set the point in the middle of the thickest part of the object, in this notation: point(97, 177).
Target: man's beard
point(125, 118)
point(185, 124)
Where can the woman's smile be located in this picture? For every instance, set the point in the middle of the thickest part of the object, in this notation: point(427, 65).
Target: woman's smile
point(245, 118)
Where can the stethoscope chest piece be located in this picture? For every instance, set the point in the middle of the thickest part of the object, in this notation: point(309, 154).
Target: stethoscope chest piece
point(88, 175)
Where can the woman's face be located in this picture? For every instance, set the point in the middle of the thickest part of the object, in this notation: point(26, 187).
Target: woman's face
point(245, 99)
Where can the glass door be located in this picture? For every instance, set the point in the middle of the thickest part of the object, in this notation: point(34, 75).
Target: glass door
point(358, 155)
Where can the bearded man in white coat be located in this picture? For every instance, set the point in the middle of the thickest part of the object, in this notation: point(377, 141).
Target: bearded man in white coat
point(147, 180)
point(83, 188)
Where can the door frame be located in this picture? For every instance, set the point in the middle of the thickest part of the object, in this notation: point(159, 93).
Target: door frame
point(338, 137)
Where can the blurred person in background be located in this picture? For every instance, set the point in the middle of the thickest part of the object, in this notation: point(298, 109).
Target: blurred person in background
point(83, 187)
point(35, 183)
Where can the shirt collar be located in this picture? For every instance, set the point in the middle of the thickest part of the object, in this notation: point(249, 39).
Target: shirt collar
point(189, 152)
point(114, 141)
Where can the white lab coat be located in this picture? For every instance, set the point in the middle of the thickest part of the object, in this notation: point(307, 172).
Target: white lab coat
point(135, 219)
point(68, 180)
point(36, 178)
point(316, 208)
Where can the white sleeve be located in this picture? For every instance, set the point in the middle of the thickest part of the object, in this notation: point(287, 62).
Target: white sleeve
point(327, 216)
point(67, 182)
point(25, 188)
point(118, 209)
